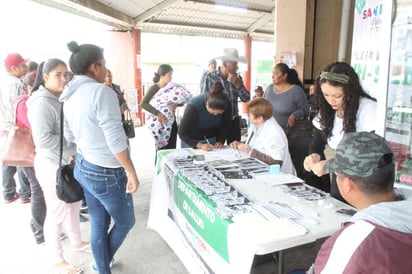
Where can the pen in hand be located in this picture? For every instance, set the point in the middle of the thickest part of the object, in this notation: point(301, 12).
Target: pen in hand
point(208, 145)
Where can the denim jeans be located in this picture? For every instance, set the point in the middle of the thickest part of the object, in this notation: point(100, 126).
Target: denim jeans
point(38, 204)
point(9, 184)
point(105, 192)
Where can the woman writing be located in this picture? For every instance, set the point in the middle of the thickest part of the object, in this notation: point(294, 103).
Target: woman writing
point(103, 165)
point(206, 121)
point(44, 116)
point(343, 107)
point(287, 97)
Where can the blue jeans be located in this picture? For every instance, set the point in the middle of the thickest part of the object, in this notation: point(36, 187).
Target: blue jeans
point(105, 192)
point(9, 184)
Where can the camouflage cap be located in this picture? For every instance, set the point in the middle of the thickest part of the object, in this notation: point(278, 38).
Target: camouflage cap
point(358, 154)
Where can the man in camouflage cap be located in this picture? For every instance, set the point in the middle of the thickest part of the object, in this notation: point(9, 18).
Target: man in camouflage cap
point(378, 238)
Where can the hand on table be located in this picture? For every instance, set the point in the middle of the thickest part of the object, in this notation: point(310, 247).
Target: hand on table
point(218, 145)
point(205, 147)
point(241, 146)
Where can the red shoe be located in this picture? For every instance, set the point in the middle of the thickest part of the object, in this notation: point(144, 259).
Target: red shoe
point(14, 198)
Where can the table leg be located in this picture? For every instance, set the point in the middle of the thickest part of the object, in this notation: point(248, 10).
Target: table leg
point(280, 262)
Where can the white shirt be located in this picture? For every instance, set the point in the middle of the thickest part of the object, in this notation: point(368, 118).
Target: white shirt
point(271, 140)
point(365, 121)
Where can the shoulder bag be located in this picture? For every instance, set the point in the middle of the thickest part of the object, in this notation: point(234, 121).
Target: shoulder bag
point(128, 124)
point(67, 187)
point(19, 149)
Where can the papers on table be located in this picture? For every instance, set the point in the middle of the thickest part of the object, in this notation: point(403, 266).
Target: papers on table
point(227, 153)
point(278, 179)
point(265, 231)
point(275, 211)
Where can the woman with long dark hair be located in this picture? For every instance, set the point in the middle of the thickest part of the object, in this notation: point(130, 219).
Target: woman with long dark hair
point(44, 116)
point(344, 107)
point(207, 119)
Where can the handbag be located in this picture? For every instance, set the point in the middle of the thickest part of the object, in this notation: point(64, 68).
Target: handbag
point(128, 124)
point(68, 188)
point(19, 149)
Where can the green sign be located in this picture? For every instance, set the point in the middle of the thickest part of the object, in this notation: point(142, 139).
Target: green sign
point(200, 212)
point(264, 72)
point(160, 155)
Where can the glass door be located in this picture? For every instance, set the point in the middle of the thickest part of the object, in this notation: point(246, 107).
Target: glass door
point(398, 129)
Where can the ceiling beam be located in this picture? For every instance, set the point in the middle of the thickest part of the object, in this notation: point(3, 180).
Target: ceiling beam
point(260, 22)
point(203, 28)
point(153, 11)
point(93, 10)
point(228, 5)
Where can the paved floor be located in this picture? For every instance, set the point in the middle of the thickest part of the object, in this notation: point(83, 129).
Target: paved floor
point(143, 252)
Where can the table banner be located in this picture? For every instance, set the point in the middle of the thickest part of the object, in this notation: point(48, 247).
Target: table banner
point(200, 212)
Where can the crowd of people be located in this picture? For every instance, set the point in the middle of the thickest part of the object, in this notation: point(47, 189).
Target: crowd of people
point(93, 137)
point(337, 107)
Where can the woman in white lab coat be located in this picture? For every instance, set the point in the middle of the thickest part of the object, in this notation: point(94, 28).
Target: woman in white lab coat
point(266, 140)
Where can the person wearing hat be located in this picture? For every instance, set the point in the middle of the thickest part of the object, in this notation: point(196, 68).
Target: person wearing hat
point(378, 238)
point(16, 68)
point(233, 86)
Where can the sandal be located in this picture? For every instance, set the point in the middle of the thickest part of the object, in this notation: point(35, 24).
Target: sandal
point(65, 268)
point(83, 247)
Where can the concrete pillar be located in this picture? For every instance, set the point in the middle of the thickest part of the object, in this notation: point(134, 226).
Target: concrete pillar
point(247, 75)
point(124, 49)
point(137, 64)
point(290, 28)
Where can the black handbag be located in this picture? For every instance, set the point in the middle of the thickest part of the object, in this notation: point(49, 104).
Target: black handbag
point(67, 187)
point(128, 124)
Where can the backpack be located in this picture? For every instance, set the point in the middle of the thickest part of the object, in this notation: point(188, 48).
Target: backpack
point(20, 111)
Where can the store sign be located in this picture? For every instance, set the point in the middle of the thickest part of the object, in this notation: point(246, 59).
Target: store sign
point(368, 36)
point(199, 211)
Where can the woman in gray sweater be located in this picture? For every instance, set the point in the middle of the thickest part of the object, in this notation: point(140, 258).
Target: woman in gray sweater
point(287, 97)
